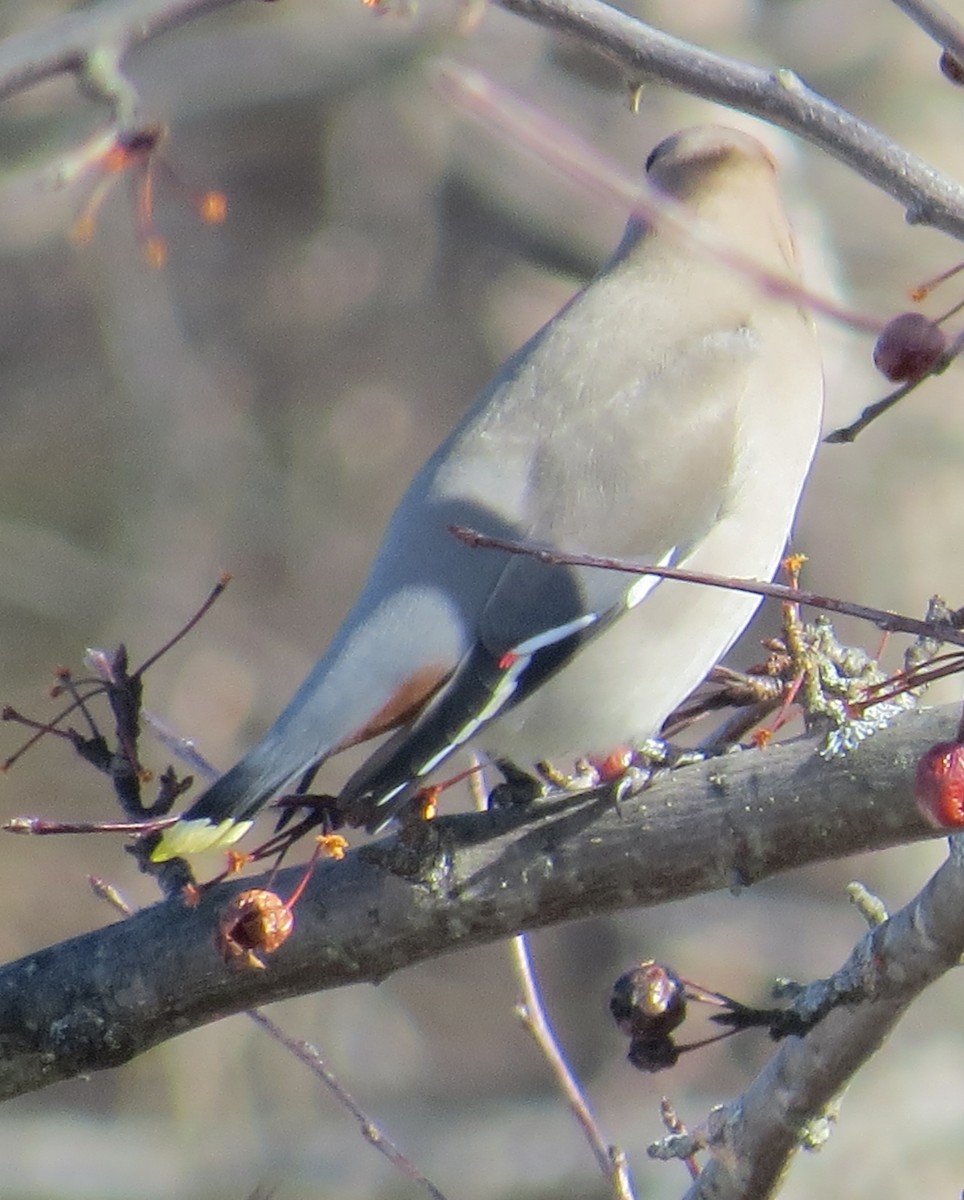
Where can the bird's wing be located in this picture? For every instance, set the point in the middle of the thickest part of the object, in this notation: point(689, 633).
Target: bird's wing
point(538, 615)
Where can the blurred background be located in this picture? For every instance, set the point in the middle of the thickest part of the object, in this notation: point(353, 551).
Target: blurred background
point(259, 404)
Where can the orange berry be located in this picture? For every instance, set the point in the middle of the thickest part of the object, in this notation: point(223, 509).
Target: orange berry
point(155, 251)
point(213, 207)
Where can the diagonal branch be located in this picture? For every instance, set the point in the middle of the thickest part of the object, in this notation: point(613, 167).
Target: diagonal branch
point(753, 1137)
point(883, 619)
point(92, 43)
point(937, 22)
point(67, 43)
point(776, 96)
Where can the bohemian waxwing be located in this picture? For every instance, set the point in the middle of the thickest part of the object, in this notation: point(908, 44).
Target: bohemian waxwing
point(668, 414)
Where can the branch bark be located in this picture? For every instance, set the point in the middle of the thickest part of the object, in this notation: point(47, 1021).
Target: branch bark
point(97, 1001)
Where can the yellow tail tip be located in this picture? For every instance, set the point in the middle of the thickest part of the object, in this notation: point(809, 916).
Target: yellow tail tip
point(194, 837)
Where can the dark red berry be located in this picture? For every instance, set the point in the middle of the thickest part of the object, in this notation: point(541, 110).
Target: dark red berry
point(909, 348)
point(648, 1001)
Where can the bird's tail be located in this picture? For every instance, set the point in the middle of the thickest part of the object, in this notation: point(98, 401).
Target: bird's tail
point(224, 812)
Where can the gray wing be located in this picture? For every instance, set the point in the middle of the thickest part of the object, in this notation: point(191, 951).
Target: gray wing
point(614, 477)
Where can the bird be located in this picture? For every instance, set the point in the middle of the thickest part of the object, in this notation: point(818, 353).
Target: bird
point(668, 414)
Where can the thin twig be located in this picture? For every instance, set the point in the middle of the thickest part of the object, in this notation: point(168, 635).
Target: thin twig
point(532, 1013)
point(40, 826)
point(578, 159)
point(883, 618)
point(73, 41)
point(937, 22)
point(212, 597)
point(611, 1159)
point(68, 42)
point(309, 1056)
point(848, 433)
point(675, 1126)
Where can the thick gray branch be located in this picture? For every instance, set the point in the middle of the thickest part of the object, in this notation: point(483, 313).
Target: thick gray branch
point(946, 30)
point(98, 1000)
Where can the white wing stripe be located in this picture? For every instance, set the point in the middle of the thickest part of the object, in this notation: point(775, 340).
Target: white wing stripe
point(645, 583)
point(551, 636)
point(499, 697)
point(518, 659)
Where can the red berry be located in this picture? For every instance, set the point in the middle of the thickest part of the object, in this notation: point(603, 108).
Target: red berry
point(615, 764)
point(939, 787)
point(909, 348)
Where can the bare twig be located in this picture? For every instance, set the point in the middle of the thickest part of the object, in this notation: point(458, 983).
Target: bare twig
point(612, 1161)
point(752, 1138)
point(532, 1014)
point(565, 150)
point(92, 44)
point(40, 826)
point(869, 414)
point(671, 1120)
point(87, 40)
point(309, 1057)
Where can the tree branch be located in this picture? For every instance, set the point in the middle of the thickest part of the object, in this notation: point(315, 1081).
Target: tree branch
point(937, 23)
point(753, 1137)
point(67, 43)
point(780, 97)
point(99, 1000)
point(94, 41)
point(72, 43)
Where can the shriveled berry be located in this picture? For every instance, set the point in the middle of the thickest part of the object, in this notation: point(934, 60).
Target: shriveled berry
point(649, 1001)
point(909, 348)
point(253, 924)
